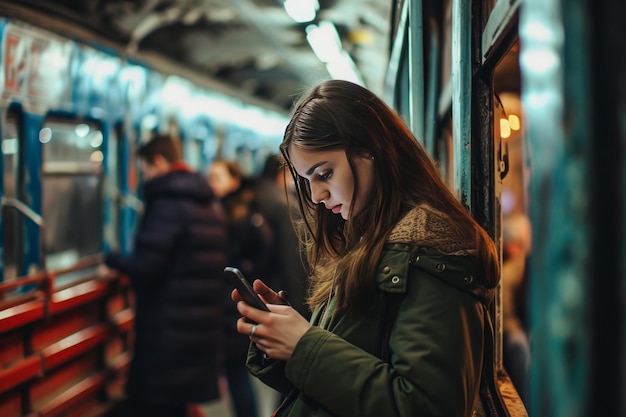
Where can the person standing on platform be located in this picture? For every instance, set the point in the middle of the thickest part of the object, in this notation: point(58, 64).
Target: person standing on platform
point(249, 249)
point(401, 273)
point(176, 272)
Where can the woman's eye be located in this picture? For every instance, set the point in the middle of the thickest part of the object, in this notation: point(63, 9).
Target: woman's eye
point(326, 175)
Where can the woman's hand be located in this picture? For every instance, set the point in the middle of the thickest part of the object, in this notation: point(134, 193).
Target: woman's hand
point(276, 333)
point(268, 295)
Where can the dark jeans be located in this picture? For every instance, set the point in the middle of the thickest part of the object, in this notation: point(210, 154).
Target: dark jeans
point(240, 389)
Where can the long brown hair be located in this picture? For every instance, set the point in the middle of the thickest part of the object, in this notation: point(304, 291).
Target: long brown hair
point(341, 115)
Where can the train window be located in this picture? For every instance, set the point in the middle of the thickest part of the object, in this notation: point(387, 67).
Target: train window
point(12, 220)
point(71, 191)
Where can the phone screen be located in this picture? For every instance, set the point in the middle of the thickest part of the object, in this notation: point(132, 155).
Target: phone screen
point(245, 289)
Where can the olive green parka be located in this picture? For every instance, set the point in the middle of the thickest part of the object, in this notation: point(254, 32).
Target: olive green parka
point(427, 363)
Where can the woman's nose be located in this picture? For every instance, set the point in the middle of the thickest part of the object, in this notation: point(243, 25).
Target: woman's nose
point(318, 194)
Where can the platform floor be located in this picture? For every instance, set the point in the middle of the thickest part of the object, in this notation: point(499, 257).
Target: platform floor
point(267, 401)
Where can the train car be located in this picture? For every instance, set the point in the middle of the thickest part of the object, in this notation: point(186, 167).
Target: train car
point(72, 112)
point(521, 102)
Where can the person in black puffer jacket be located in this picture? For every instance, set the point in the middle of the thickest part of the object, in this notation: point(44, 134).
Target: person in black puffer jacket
point(176, 272)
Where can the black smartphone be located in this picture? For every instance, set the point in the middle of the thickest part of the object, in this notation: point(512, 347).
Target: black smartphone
point(245, 289)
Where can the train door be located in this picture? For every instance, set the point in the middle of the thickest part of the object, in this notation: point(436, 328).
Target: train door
point(496, 88)
point(512, 173)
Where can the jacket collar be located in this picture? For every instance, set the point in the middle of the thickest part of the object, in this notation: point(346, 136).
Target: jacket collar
point(423, 240)
point(425, 226)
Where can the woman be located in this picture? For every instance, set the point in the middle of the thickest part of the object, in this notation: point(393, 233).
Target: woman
point(249, 248)
point(401, 273)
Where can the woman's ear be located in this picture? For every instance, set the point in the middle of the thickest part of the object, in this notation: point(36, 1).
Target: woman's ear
point(366, 155)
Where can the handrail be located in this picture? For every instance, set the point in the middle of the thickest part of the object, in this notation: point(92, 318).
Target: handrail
point(24, 370)
point(76, 295)
point(20, 315)
point(32, 216)
point(82, 263)
point(38, 278)
point(44, 280)
point(63, 402)
point(21, 299)
point(24, 209)
point(47, 300)
point(73, 345)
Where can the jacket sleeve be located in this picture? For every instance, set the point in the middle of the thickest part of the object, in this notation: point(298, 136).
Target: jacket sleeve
point(436, 344)
point(154, 245)
point(270, 372)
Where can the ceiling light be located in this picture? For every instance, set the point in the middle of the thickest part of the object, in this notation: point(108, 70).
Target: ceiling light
point(302, 10)
point(324, 41)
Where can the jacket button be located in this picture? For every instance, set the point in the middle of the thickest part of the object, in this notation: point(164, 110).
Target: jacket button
point(395, 279)
point(468, 279)
point(386, 269)
point(440, 267)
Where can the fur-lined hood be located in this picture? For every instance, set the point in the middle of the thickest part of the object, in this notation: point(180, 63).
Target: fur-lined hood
point(425, 226)
point(424, 239)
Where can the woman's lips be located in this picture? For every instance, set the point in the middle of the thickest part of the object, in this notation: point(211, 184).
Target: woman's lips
point(336, 209)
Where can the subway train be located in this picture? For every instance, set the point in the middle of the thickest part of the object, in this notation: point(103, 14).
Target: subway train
point(520, 102)
point(72, 116)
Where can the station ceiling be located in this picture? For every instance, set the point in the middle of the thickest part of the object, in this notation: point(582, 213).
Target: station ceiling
point(252, 46)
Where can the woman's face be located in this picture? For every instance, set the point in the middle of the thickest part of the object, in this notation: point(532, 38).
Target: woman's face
point(331, 181)
point(220, 180)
